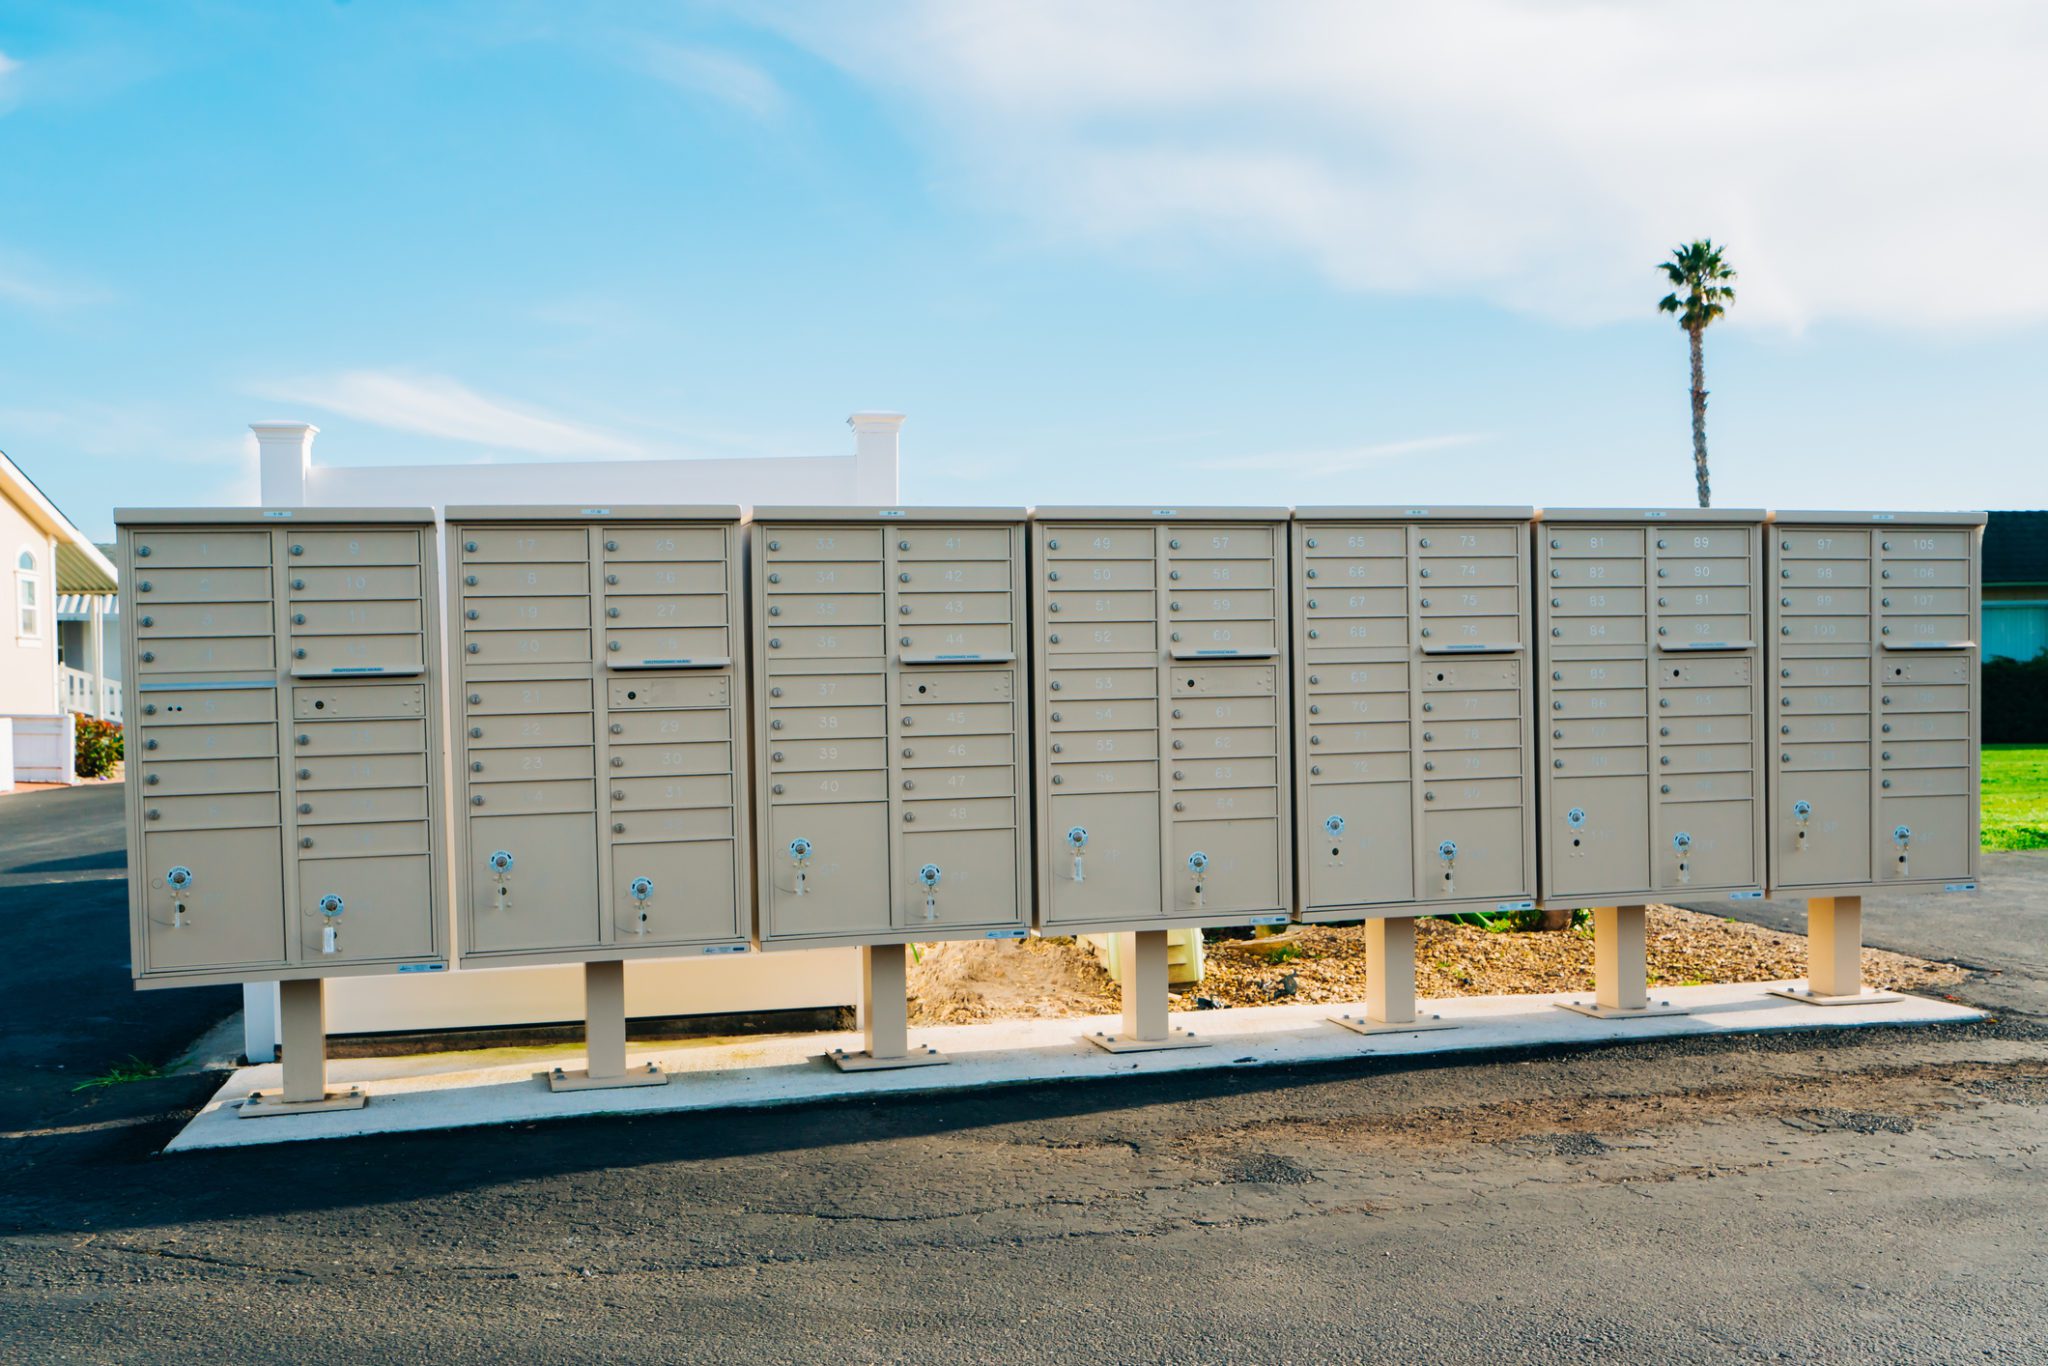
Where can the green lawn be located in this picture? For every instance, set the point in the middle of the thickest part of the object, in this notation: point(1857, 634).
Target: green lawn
point(2015, 796)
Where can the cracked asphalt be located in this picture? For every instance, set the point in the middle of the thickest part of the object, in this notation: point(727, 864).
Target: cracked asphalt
point(1863, 1196)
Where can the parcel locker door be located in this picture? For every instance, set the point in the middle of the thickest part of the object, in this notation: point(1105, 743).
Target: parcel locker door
point(1104, 857)
point(828, 868)
point(674, 893)
point(1361, 843)
point(975, 878)
point(1224, 866)
point(212, 899)
point(546, 896)
point(1474, 854)
point(1822, 828)
point(1705, 844)
point(1599, 836)
point(378, 908)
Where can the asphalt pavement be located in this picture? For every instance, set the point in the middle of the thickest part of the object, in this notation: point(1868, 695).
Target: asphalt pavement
point(1863, 1196)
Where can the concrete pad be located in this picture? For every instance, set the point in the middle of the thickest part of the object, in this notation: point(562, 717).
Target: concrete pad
point(458, 1090)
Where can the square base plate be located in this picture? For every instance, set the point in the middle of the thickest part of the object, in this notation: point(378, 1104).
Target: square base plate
point(1600, 1012)
point(919, 1056)
point(646, 1074)
point(1123, 1043)
point(262, 1104)
point(1806, 996)
point(1361, 1024)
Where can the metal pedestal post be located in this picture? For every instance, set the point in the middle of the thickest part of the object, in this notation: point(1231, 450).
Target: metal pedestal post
point(1389, 983)
point(1834, 956)
point(302, 1019)
point(885, 1015)
point(1146, 1028)
point(604, 1037)
point(1621, 974)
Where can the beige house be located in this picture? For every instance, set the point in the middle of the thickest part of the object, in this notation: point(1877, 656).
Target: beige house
point(41, 685)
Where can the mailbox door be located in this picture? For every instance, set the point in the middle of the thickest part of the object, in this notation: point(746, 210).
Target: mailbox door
point(229, 914)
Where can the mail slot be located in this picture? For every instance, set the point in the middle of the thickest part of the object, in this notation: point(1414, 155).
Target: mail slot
point(361, 771)
point(1602, 673)
point(1600, 759)
point(1822, 727)
point(656, 648)
point(1598, 631)
point(1577, 702)
point(1349, 678)
point(1361, 602)
point(663, 579)
point(1472, 706)
point(1193, 575)
point(1451, 633)
point(662, 727)
point(205, 619)
point(363, 804)
point(329, 548)
point(221, 812)
point(966, 814)
point(923, 643)
point(825, 609)
point(971, 608)
point(212, 775)
point(386, 583)
point(1926, 754)
point(825, 543)
point(664, 544)
point(200, 707)
point(1072, 778)
point(210, 742)
point(955, 543)
point(1484, 602)
point(798, 755)
point(1214, 605)
point(1690, 632)
point(531, 580)
point(698, 823)
point(1824, 669)
point(825, 642)
point(1946, 725)
point(1344, 541)
point(531, 764)
point(485, 544)
point(1370, 706)
point(1472, 763)
point(1592, 573)
point(1925, 574)
point(1815, 543)
point(1954, 545)
point(979, 718)
point(1197, 639)
point(1457, 541)
point(1572, 541)
point(487, 698)
point(1905, 632)
point(1122, 637)
point(1379, 766)
point(1355, 632)
point(526, 796)
point(1470, 794)
point(1218, 543)
point(1465, 572)
point(154, 585)
point(962, 782)
point(1805, 701)
point(973, 576)
point(958, 749)
point(701, 757)
point(313, 656)
point(1234, 772)
point(702, 609)
point(201, 549)
point(1801, 757)
point(1472, 734)
point(1607, 731)
point(1824, 573)
point(368, 838)
point(1818, 630)
point(230, 654)
point(1330, 574)
point(1105, 744)
point(1826, 602)
point(1337, 739)
point(830, 577)
point(526, 614)
point(355, 618)
point(838, 785)
point(359, 737)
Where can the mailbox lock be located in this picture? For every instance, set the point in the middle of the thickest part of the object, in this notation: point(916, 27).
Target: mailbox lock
point(777, 545)
point(306, 842)
point(909, 816)
point(1052, 544)
point(618, 827)
point(143, 551)
point(1173, 606)
point(145, 585)
point(149, 744)
point(1886, 728)
point(305, 739)
point(476, 766)
point(1557, 573)
point(1312, 574)
point(501, 862)
point(903, 545)
point(476, 800)
point(909, 753)
point(1052, 576)
point(305, 808)
point(1314, 634)
point(1173, 544)
point(1663, 701)
point(1885, 574)
point(1557, 763)
point(475, 648)
point(150, 780)
point(1054, 638)
point(1314, 709)
point(774, 642)
point(612, 645)
point(618, 761)
point(476, 732)
point(775, 725)
point(641, 888)
point(1429, 765)
point(148, 656)
point(1180, 806)
point(1425, 602)
point(909, 720)
point(772, 611)
point(1425, 573)
point(1429, 706)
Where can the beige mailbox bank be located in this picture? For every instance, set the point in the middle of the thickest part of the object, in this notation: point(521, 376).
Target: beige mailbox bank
point(284, 807)
point(890, 723)
point(600, 723)
point(1873, 751)
point(1650, 692)
point(1413, 753)
point(1160, 672)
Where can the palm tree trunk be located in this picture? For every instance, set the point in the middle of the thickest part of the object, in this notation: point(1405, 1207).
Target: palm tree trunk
point(1699, 416)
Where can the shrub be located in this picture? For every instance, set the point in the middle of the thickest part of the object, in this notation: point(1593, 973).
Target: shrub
point(2016, 700)
point(98, 747)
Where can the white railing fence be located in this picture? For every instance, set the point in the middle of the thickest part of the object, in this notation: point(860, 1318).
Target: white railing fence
point(78, 694)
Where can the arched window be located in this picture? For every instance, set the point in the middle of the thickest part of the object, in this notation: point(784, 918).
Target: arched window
point(28, 601)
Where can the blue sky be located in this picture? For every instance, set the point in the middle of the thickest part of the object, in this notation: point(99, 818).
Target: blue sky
point(1110, 252)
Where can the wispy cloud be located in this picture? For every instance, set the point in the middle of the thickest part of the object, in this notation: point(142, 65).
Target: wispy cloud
point(711, 73)
point(1341, 461)
point(27, 282)
point(435, 405)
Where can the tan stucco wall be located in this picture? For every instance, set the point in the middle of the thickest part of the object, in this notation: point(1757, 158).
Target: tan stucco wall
point(28, 668)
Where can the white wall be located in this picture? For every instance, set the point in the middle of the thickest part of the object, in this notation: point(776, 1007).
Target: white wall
point(44, 747)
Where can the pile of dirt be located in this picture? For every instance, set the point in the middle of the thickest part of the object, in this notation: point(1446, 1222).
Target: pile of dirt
point(1039, 978)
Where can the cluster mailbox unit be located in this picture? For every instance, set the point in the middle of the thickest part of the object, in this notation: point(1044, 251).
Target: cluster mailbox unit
point(600, 722)
point(1650, 691)
point(1414, 759)
point(891, 724)
point(284, 808)
point(1874, 679)
point(1160, 671)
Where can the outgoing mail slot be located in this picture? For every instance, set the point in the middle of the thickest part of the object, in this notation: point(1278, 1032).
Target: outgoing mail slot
point(1824, 601)
point(218, 654)
point(1927, 669)
point(796, 756)
point(363, 804)
point(650, 691)
point(1105, 744)
point(1191, 575)
point(486, 699)
point(1361, 602)
point(1096, 777)
point(1083, 606)
point(200, 549)
point(360, 737)
point(388, 583)
point(953, 543)
point(1705, 671)
point(1366, 706)
point(1926, 754)
point(1378, 767)
point(936, 688)
point(1105, 637)
point(824, 543)
point(194, 707)
point(1091, 713)
point(977, 608)
point(700, 609)
point(1611, 731)
point(1595, 541)
point(959, 750)
point(927, 644)
point(1441, 734)
point(1225, 711)
point(354, 618)
point(1795, 758)
point(824, 642)
point(317, 656)
point(1704, 633)
point(1484, 602)
point(361, 840)
point(351, 700)
point(699, 823)
point(1077, 577)
point(1597, 760)
point(1476, 572)
point(1193, 604)
point(536, 764)
point(1805, 630)
point(630, 794)
point(664, 543)
point(1440, 634)
point(1824, 544)
point(526, 614)
point(1595, 702)
point(1436, 542)
point(973, 718)
point(205, 619)
point(665, 727)
point(1333, 574)
point(1223, 680)
point(1322, 541)
point(832, 577)
point(211, 813)
point(1472, 794)
point(829, 787)
point(1925, 574)
point(1926, 725)
point(337, 548)
point(655, 649)
point(1804, 701)
point(708, 756)
point(1902, 632)
point(963, 782)
point(662, 579)
point(525, 580)
point(1953, 545)
point(1356, 632)
point(1596, 631)
point(1926, 782)
point(1356, 739)
point(1198, 744)
point(1465, 675)
point(202, 585)
point(813, 722)
point(1596, 573)
point(362, 771)
point(1446, 764)
point(1234, 772)
point(1705, 758)
point(1226, 803)
point(1600, 673)
point(1220, 543)
point(213, 775)
point(824, 609)
point(1824, 573)
point(1471, 706)
point(532, 798)
point(483, 544)
point(211, 742)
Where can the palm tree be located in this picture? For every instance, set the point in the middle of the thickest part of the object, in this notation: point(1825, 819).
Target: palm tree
point(1705, 278)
